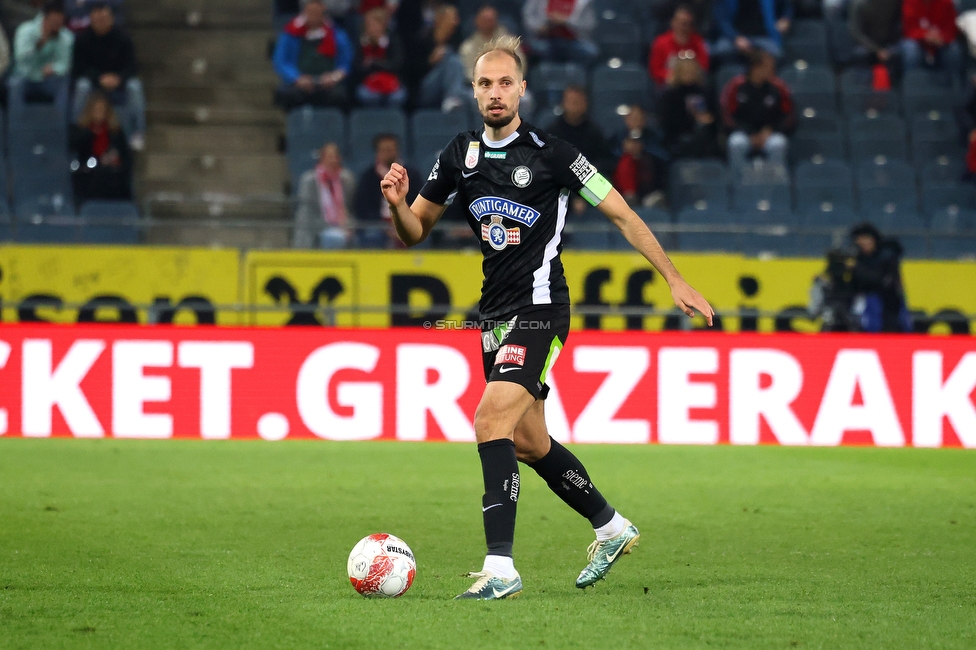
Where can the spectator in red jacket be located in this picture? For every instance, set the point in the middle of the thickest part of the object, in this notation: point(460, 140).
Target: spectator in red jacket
point(378, 61)
point(758, 108)
point(680, 42)
point(930, 34)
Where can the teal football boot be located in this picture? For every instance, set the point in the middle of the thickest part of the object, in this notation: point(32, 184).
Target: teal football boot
point(603, 555)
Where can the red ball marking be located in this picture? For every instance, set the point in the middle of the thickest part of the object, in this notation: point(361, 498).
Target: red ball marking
point(410, 574)
point(379, 537)
point(378, 571)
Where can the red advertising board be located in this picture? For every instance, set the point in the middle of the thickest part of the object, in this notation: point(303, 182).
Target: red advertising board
point(413, 384)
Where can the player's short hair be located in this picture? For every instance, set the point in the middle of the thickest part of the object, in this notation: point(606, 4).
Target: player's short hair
point(507, 44)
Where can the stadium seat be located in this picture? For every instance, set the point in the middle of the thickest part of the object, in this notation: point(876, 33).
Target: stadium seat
point(307, 130)
point(109, 222)
point(826, 186)
point(619, 39)
point(934, 125)
point(877, 148)
point(817, 147)
point(365, 124)
point(926, 150)
point(625, 85)
point(953, 234)
point(759, 199)
point(942, 170)
point(893, 174)
point(817, 101)
point(810, 121)
point(755, 244)
point(725, 74)
point(699, 183)
point(807, 78)
point(806, 245)
point(818, 217)
point(877, 125)
point(928, 90)
point(707, 241)
point(951, 198)
point(596, 237)
point(43, 195)
point(430, 131)
point(891, 208)
point(548, 79)
point(857, 96)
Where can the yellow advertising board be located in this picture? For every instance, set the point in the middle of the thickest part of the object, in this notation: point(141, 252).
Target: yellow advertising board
point(753, 294)
point(380, 289)
point(67, 284)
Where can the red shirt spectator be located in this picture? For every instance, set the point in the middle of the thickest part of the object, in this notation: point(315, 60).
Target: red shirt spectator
point(681, 41)
point(932, 22)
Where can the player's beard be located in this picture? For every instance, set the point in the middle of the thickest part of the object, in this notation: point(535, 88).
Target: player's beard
point(498, 121)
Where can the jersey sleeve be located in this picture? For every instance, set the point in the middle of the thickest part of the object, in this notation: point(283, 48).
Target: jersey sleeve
point(441, 182)
point(573, 170)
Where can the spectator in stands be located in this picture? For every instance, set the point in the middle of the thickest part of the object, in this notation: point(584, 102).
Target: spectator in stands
point(42, 60)
point(746, 25)
point(103, 159)
point(930, 35)
point(575, 127)
point(687, 113)
point(378, 62)
point(758, 109)
point(486, 28)
point(325, 197)
point(371, 208)
point(879, 301)
point(105, 60)
point(641, 160)
point(559, 30)
point(438, 74)
point(679, 42)
point(4, 65)
point(966, 119)
point(313, 57)
point(875, 26)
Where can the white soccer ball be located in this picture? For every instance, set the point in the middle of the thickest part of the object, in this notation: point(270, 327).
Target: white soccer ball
point(382, 566)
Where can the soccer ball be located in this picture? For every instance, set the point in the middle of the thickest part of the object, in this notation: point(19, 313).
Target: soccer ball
point(381, 566)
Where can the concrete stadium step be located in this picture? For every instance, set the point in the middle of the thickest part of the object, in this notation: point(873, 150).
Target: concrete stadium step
point(248, 238)
point(180, 114)
point(200, 13)
point(208, 139)
point(194, 57)
point(230, 95)
point(234, 174)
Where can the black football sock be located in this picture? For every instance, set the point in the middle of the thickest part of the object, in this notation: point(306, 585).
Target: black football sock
point(501, 472)
point(567, 477)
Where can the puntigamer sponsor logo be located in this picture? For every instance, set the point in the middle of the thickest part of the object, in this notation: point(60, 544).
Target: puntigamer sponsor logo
point(496, 205)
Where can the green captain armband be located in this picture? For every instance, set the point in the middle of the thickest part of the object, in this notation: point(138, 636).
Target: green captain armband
point(596, 189)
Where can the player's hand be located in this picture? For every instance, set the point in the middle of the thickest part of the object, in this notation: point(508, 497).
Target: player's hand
point(395, 185)
point(688, 300)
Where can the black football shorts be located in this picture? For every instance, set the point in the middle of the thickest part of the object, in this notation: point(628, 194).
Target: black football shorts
point(522, 347)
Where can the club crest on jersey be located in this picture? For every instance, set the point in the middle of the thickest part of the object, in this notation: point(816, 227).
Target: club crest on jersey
point(498, 236)
point(489, 205)
point(522, 176)
point(474, 151)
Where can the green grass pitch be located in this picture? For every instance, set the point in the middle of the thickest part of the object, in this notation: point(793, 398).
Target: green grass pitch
point(183, 544)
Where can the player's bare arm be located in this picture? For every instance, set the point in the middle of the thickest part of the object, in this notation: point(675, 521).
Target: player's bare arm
point(413, 223)
point(641, 238)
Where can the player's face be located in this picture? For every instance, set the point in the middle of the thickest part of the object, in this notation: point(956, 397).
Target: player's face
point(498, 87)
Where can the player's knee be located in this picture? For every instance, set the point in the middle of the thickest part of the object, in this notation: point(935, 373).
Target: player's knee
point(491, 423)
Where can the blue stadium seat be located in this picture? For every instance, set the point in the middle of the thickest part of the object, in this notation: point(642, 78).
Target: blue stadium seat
point(806, 245)
point(952, 198)
point(953, 234)
point(625, 85)
point(307, 130)
point(109, 222)
point(814, 101)
point(619, 39)
point(934, 125)
point(894, 174)
point(430, 131)
point(772, 199)
point(42, 194)
point(815, 217)
point(725, 75)
point(891, 207)
point(805, 78)
point(699, 183)
point(707, 241)
point(812, 120)
point(548, 80)
point(877, 125)
point(826, 186)
point(857, 95)
point(595, 240)
point(878, 148)
point(778, 243)
point(928, 90)
point(808, 29)
point(365, 124)
point(926, 150)
point(817, 146)
point(942, 170)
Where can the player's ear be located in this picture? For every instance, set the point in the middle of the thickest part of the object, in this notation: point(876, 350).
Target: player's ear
point(522, 88)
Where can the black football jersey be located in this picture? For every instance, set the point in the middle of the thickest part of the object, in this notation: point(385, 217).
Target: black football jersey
point(515, 194)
